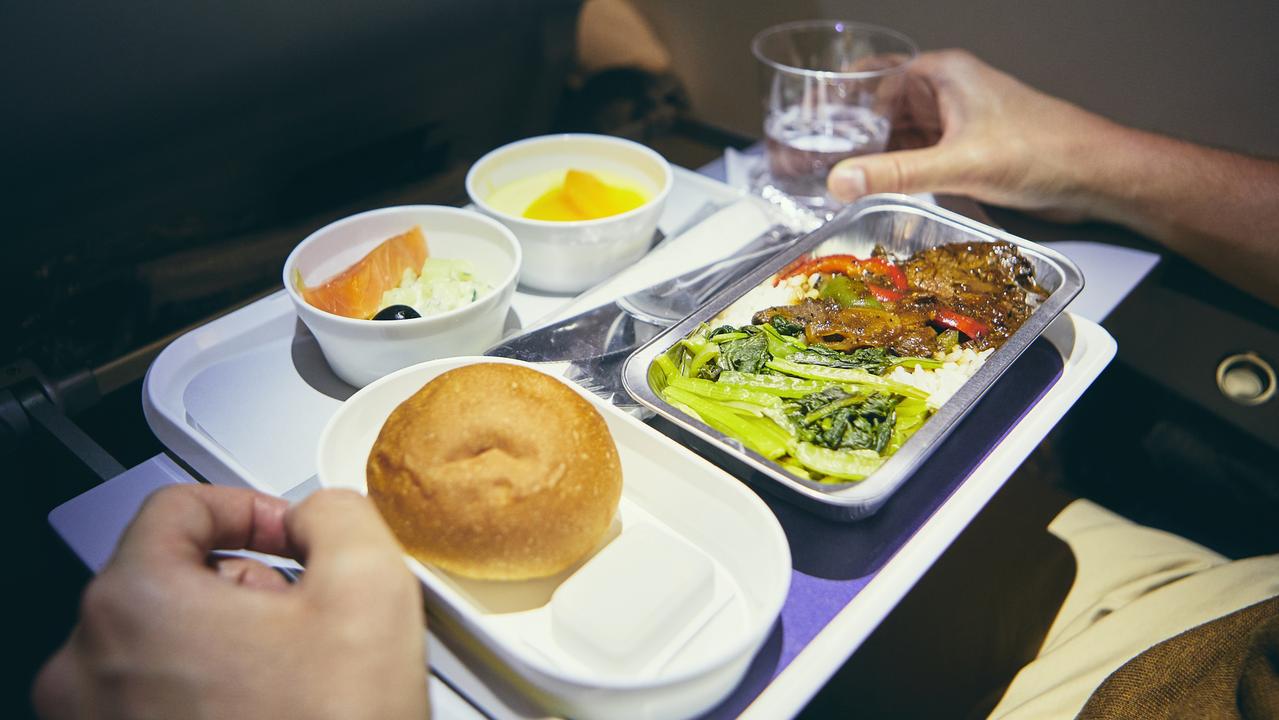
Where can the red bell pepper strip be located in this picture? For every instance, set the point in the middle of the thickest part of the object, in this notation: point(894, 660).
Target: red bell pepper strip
point(971, 327)
point(846, 265)
point(886, 269)
point(884, 294)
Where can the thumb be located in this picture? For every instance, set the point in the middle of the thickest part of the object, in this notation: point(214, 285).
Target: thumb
point(929, 169)
point(346, 547)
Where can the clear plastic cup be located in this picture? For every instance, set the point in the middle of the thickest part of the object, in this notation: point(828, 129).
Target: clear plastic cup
point(830, 90)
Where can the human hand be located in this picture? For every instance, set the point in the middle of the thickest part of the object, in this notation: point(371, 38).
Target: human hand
point(966, 128)
point(165, 633)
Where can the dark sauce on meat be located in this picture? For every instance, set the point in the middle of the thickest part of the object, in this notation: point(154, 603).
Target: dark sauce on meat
point(988, 282)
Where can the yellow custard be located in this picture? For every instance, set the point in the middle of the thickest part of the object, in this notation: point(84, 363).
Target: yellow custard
point(568, 195)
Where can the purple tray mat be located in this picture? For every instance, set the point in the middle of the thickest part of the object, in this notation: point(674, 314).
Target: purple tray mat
point(833, 561)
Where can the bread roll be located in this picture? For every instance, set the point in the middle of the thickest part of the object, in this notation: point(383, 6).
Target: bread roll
point(496, 471)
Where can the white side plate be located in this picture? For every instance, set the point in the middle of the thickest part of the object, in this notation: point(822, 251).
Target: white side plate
point(661, 622)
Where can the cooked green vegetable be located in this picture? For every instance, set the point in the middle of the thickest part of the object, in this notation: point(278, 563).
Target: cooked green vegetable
point(846, 291)
point(948, 340)
point(835, 418)
point(724, 330)
point(848, 376)
point(780, 385)
point(820, 414)
point(846, 465)
point(786, 326)
point(745, 355)
point(873, 360)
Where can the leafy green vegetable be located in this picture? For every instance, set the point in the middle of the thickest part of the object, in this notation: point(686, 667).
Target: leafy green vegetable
point(786, 326)
point(843, 465)
point(748, 354)
point(820, 414)
point(874, 360)
point(700, 353)
point(779, 345)
point(835, 418)
point(779, 385)
point(846, 376)
point(726, 392)
point(723, 330)
point(914, 362)
point(761, 435)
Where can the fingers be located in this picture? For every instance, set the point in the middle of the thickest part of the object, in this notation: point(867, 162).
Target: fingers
point(181, 525)
point(346, 546)
point(247, 572)
point(933, 169)
point(941, 64)
point(933, 146)
point(876, 62)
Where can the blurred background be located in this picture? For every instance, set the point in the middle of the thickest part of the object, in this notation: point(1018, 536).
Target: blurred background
point(147, 143)
point(1199, 71)
point(159, 160)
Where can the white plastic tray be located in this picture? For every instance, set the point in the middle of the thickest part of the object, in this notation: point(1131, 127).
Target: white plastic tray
point(660, 622)
point(242, 399)
point(272, 396)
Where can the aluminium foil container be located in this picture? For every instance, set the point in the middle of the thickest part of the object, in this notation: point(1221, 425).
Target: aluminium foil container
point(903, 225)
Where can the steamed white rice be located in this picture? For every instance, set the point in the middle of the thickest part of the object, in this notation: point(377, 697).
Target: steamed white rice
point(790, 291)
point(941, 383)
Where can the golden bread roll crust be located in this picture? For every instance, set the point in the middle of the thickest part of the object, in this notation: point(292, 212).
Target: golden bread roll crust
point(497, 472)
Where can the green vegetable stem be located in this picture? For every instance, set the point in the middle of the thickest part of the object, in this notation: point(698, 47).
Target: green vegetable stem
point(820, 414)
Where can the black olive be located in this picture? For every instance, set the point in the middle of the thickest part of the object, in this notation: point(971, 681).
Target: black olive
point(397, 312)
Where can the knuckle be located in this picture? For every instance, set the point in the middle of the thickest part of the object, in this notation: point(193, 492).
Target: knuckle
point(101, 603)
point(167, 497)
point(333, 500)
point(99, 599)
point(896, 175)
point(371, 573)
point(959, 56)
point(943, 63)
point(377, 566)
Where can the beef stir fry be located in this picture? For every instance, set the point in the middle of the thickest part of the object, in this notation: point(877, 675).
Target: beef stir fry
point(973, 292)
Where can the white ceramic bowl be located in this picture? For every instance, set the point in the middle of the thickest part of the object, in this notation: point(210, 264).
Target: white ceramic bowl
point(361, 351)
point(571, 256)
point(662, 621)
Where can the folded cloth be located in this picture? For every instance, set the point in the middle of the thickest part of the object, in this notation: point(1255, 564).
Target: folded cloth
point(1135, 587)
point(1226, 669)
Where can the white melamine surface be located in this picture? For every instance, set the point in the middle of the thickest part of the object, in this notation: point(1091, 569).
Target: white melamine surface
point(210, 392)
point(674, 504)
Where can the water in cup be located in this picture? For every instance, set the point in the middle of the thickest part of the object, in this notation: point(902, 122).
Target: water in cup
point(829, 90)
point(804, 143)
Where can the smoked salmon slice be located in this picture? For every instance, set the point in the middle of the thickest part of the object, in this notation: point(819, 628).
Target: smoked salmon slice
point(356, 292)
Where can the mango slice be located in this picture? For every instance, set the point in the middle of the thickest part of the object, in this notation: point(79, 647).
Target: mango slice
point(583, 196)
